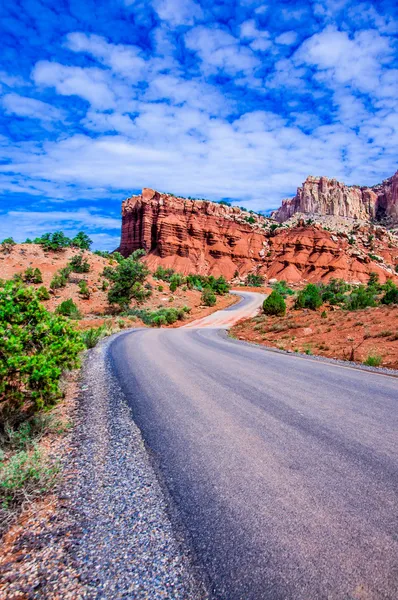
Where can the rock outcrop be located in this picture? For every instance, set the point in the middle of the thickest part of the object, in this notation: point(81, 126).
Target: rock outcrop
point(323, 196)
point(208, 238)
point(191, 235)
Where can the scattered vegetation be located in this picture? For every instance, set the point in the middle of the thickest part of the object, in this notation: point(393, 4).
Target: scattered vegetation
point(162, 316)
point(253, 280)
point(282, 288)
point(58, 241)
point(32, 275)
point(127, 280)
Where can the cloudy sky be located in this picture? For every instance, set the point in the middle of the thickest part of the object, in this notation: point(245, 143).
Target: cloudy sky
point(222, 99)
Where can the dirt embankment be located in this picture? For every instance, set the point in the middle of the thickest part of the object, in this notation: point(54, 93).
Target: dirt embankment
point(95, 310)
point(356, 335)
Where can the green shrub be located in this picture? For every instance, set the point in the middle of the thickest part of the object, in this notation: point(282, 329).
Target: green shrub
point(23, 476)
point(54, 241)
point(163, 316)
point(61, 278)
point(32, 275)
point(82, 241)
point(68, 308)
point(42, 293)
point(84, 290)
point(334, 292)
point(274, 304)
point(310, 297)
point(8, 241)
point(360, 297)
point(160, 288)
point(199, 282)
point(79, 264)
point(35, 347)
point(163, 274)
point(92, 336)
point(126, 280)
point(208, 297)
point(254, 280)
point(391, 295)
point(373, 360)
point(282, 288)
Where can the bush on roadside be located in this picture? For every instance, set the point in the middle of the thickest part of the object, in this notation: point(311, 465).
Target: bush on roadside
point(25, 475)
point(208, 297)
point(274, 304)
point(373, 360)
point(35, 348)
point(92, 336)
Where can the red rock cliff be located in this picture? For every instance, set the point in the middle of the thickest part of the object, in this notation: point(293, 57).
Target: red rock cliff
point(195, 236)
point(323, 196)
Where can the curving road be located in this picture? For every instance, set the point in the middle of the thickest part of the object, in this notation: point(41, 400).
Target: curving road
point(284, 470)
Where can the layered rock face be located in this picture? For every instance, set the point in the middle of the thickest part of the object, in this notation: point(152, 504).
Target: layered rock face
point(194, 236)
point(323, 196)
point(190, 235)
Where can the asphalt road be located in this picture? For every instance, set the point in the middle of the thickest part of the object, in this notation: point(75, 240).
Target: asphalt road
point(284, 470)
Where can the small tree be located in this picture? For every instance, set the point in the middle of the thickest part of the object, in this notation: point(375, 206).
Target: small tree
point(123, 278)
point(274, 304)
point(82, 241)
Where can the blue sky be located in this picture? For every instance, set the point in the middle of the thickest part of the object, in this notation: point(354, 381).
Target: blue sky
point(218, 99)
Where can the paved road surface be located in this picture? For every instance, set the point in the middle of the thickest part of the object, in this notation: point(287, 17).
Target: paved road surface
point(247, 307)
point(284, 469)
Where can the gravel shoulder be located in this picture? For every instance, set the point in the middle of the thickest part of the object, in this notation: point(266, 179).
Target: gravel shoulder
point(107, 532)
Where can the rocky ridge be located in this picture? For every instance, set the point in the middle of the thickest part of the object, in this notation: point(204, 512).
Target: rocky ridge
point(320, 196)
point(209, 238)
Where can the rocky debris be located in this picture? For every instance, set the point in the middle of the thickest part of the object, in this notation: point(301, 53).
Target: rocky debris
point(323, 196)
point(209, 238)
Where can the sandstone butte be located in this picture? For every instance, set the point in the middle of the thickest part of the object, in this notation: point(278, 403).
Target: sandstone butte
point(209, 238)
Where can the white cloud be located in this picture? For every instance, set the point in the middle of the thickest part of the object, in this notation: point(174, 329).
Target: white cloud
point(88, 83)
point(29, 107)
point(120, 58)
point(287, 38)
point(178, 12)
point(220, 51)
